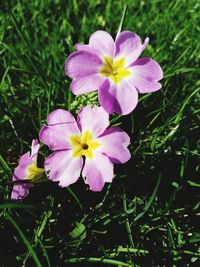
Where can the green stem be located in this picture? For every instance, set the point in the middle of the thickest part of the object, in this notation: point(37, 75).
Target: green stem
point(24, 239)
point(106, 261)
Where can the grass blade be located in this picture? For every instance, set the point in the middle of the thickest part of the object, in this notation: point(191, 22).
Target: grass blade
point(122, 20)
point(106, 261)
point(25, 240)
point(16, 206)
point(150, 201)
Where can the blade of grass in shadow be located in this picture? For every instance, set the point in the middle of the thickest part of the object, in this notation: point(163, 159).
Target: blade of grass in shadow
point(45, 252)
point(128, 228)
point(106, 261)
point(24, 239)
point(136, 251)
point(185, 104)
point(38, 233)
point(115, 118)
point(69, 100)
point(16, 206)
point(150, 201)
point(175, 120)
point(75, 197)
point(5, 165)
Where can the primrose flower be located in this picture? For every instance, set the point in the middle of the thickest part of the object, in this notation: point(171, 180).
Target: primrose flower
point(87, 146)
point(26, 170)
point(113, 68)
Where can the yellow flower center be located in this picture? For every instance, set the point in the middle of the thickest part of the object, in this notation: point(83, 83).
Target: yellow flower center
point(114, 69)
point(84, 145)
point(33, 172)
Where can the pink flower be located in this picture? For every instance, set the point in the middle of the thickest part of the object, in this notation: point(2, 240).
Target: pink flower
point(113, 68)
point(87, 138)
point(26, 170)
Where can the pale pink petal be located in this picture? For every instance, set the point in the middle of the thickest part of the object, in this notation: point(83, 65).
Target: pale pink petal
point(80, 64)
point(129, 46)
point(25, 160)
point(34, 149)
point(114, 142)
point(57, 134)
point(146, 74)
point(86, 84)
point(103, 42)
point(97, 171)
point(20, 172)
point(120, 99)
point(57, 137)
point(93, 118)
point(19, 192)
point(60, 116)
point(62, 167)
point(87, 48)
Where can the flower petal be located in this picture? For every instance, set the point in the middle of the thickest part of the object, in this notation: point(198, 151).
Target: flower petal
point(57, 137)
point(103, 42)
point(57, 134)
point(20, 192)
point(25, 160)
point(97, 171)
point(20, 172)
point(80, 64)
point(128, 45)
point(121, 99)
point(94, 119)
point(61, 166)
point(86, 84)
point(114, 142)
point(60, 116)
point(87, 48)
point(146, 73)
point(34, 149)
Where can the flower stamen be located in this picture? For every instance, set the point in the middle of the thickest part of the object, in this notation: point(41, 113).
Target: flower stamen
point(84, 145)
point(114, 69)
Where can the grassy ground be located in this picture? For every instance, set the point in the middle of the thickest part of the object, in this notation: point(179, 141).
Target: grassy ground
point(149, 215)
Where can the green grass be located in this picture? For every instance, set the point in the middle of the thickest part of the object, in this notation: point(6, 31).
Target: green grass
point(149, 215)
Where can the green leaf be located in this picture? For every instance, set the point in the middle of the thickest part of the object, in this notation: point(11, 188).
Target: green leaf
point(193, 183)
point(79, 231)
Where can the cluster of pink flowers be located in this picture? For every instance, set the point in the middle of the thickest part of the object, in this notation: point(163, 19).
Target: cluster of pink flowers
point(88, 147)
